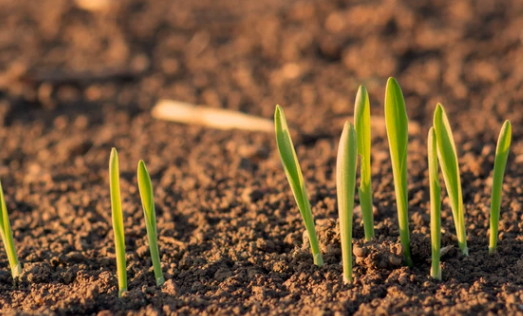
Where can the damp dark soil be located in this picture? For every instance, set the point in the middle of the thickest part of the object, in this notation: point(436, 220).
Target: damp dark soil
point(76, 82)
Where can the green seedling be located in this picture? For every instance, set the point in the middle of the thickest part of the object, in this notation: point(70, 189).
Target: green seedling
point(116, 206)
point(146, 194)
point(448, 161)
point(296, 181)
point(502, 151)
point(435, 204)
point(362, 123)
point(345, 185)
point(7, 238)
point(397, 132)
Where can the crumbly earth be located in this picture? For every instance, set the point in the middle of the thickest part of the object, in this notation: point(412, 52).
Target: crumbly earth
point(74, 83)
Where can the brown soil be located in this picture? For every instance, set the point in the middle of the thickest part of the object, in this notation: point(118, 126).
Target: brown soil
point(75, 83)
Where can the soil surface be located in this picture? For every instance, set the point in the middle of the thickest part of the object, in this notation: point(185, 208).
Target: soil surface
point(75, 82)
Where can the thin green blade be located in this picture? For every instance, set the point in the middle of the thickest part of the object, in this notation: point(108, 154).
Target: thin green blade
point(363, 131)
point(295, 178)
point(147, 196)
point(397, 132)
point(345, 185)
point(500, 162)
point(448, 160)
point(435, 204)
point(7, 238)
point(117, 216)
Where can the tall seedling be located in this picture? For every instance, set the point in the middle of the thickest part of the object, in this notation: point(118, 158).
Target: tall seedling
point(397, 132)
point(146, 194)
point(448, 161)
point(362, 123)
point(345, 185)
point(502, 151)
point(296, 181)
point(119, 237)
point(435, 204)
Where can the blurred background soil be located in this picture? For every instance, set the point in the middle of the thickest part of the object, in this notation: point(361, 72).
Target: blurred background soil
point(79, 77)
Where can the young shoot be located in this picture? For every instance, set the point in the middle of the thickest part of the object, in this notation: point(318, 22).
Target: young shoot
point(502, 151)
point(116, 207)
point(296, 181)
point(7, 238)
point(448, 161)
point(397, 132)
point(435, 204)
point(146, 194)
point(362, 123)
point(345, 185)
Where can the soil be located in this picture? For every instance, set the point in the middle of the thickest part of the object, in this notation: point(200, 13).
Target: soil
point(74, 83)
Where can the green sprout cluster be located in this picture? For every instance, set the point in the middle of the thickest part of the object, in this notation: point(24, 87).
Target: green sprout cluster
point(146, 194)
point(356, 142)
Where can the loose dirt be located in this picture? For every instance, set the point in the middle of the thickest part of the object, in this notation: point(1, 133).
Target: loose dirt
point(74, 83)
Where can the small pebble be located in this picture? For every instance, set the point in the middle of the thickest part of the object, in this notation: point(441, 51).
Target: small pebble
point(359, 251)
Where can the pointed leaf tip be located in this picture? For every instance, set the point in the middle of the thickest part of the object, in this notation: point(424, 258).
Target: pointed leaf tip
point(392, 80)
point(277, 112)
point(507, 124)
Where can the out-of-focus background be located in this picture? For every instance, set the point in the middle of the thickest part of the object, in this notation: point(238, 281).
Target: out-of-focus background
point(76, 56)
point(79, 77)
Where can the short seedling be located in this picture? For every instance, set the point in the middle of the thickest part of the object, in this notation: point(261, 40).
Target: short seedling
point(296, 181)
point(502, 151)
point(147, 196)
point(397, 132)
point(362, 123)
point(448, 161)
point(345, 185)
point(119, 237)
point(435, 204)
point(7, 238)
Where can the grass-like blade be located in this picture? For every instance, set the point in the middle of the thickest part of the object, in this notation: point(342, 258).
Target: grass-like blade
point(435, 204)
point(119, 237)
point(146, 194)
point(502, 151)
point(345, 185)
point(362, 123)
point(7, 238)
point(296, 181)
point(448, 161)
point(397, 132)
